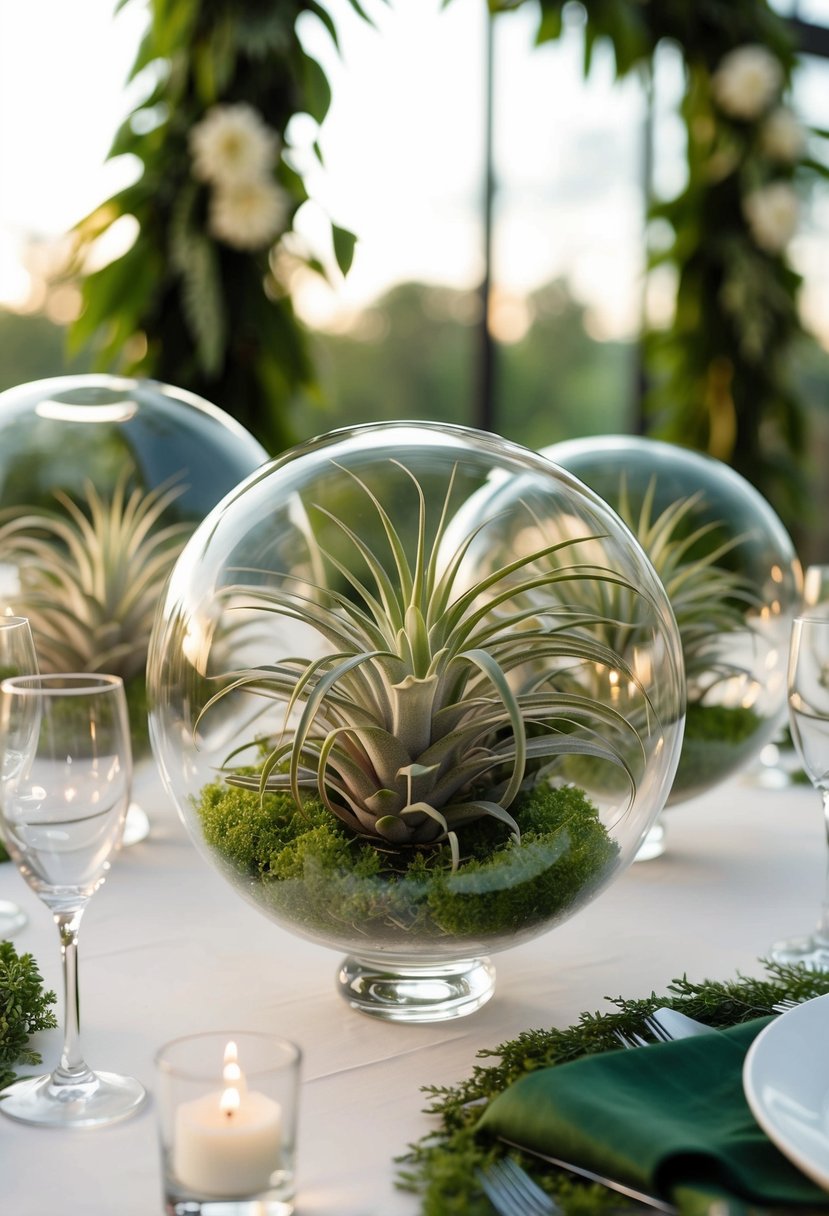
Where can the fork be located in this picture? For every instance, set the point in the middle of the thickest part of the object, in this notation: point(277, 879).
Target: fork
point(512, 1192)
point(659, 1033)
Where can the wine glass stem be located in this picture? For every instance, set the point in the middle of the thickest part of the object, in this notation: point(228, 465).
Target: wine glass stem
point(72, 1069)
point(822, 930)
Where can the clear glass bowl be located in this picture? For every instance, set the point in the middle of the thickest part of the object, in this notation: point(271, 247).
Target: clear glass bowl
point(425, 621)
point(733, 579)
point(102, 479)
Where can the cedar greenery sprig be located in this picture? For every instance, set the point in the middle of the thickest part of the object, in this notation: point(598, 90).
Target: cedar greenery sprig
point(441, 1167)
point(24, 1009)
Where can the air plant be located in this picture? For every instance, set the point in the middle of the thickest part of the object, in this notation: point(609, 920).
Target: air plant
point(91, 573)
point(426, 714)
point(708, 598)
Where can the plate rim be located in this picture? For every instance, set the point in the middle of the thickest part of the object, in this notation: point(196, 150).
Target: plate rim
point(817, 1172)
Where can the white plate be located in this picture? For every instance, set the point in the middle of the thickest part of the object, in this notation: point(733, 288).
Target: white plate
point(786, 1082)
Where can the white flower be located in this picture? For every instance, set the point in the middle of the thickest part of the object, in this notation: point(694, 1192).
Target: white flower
point(232, 144)
point(782, 137)
point(248, 215)
point(747, 81)
point(772, 212)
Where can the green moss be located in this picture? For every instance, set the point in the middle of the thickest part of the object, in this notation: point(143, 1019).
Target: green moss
point(564, 850)
point(730, 725)
point(306, 868)
point(717, 740)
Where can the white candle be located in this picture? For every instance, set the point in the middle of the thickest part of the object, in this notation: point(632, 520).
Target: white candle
point(227, 1143)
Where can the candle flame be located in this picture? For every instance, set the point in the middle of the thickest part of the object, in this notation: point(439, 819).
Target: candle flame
point(231, 1072)
point(230, 1101)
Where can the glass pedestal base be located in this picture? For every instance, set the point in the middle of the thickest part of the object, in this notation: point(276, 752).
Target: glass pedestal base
point(262, 1206)
point(810, 951)
point(654, 843)
point(105, 1098)
point(137, 825)
point(406, 992)
point(12, 919)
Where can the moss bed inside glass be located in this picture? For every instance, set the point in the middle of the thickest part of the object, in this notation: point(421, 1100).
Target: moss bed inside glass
point(306, 868)
point(717, 739)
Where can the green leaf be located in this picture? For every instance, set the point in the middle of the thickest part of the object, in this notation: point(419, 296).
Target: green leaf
point(316, 90)
point(344, 246)
point(549, 26)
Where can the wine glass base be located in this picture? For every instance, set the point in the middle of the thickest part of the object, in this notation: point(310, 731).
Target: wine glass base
point(810, 952)
point(105, 1099)
point(12, 919)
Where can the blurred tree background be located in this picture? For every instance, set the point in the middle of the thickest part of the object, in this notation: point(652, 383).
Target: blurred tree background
point(170, 304)
point(410, 354)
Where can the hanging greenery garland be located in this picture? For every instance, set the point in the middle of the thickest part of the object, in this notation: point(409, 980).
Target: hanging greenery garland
point(721, 375)
point(198, 299)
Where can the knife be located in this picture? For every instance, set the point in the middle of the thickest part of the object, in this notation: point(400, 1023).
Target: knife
point(679, 1026)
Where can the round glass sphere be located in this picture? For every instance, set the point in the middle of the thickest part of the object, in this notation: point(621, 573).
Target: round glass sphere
point(102, 479)
point(733, 579)
point(418, 695)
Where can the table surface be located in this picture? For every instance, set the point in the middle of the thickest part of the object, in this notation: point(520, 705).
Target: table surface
point(168, 948)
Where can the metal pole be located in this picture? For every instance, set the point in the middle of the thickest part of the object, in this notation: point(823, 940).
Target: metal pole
point(484, 406)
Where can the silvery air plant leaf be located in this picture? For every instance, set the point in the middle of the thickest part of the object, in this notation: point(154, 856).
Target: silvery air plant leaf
point(90, 575)
point(441, 697)
point(709, 599)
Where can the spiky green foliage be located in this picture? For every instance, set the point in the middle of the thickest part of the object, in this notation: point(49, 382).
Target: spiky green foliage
point(425, 714)
point(91, 574)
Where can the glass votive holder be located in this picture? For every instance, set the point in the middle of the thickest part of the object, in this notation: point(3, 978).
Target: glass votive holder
point(227, 1111)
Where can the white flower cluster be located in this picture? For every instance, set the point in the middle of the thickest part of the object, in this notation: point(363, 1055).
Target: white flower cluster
point(772, 214)
point(746, 86)
point(234, 151)
point(746, 82)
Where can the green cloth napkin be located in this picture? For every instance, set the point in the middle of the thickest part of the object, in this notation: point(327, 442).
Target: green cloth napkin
point(670, 1119)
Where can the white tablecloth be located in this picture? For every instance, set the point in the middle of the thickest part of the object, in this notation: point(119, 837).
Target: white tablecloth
point(168, 948)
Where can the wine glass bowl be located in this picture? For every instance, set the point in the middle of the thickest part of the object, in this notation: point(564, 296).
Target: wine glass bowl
point(808, 692)
point(63, 805)
point(17, 657)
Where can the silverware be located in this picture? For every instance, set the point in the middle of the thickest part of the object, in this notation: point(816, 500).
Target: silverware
point(668, 1024)
point(512, 1192)
point(665, 1025)
point(785, 1005)
point(611, 1183)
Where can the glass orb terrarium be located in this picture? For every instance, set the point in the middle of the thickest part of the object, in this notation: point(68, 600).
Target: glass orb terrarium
point(102, 479)
point(731, 574)
point(418, 695)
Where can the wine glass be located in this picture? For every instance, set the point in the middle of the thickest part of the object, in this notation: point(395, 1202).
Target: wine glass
point(809, 719)
point(17, 657)
point(816, 590)
point(63, 801)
